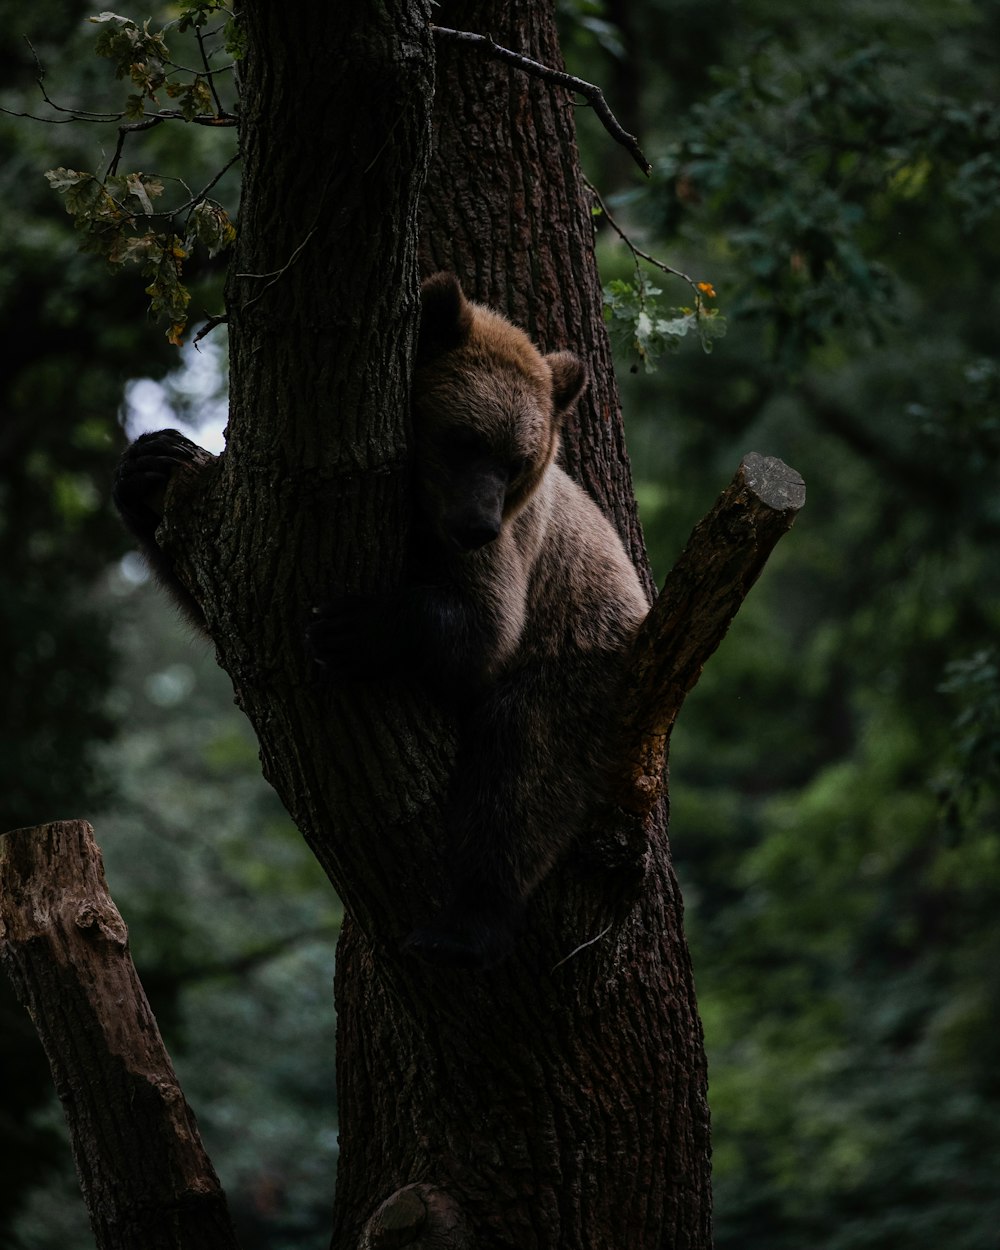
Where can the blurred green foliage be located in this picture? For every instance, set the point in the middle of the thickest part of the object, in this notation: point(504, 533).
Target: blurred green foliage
point(835, 773)
point(232, 923)
point(834, 175)
point(70, 339)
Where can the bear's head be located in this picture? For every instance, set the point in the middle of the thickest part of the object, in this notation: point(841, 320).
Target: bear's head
point(488, 407)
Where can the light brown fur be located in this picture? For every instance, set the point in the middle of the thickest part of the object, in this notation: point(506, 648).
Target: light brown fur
point(554, 603)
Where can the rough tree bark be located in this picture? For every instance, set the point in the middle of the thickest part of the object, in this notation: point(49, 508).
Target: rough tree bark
point(144, 1174)
point(552, 1102)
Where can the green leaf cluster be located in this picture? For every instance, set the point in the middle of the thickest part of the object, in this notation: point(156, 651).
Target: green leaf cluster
point(113, 213)
point(210, 226)
point(646, 330)
point(136, 52)
point(193, 97)
point(142, 55)
point(808, 156)
point(196, 16)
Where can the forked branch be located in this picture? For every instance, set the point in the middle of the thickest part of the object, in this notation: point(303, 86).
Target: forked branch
point(146, 1178)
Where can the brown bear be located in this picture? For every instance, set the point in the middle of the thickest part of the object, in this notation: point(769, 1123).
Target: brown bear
point(517, 608)
point(519, 605)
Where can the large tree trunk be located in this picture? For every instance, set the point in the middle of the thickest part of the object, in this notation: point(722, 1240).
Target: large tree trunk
point(545, 1103)
point(560, 1107)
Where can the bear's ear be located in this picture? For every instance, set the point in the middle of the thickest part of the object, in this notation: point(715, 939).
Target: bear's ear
point(569, 379)
point(445, 318)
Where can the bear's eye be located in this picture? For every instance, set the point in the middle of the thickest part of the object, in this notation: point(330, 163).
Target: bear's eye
point(462, 440)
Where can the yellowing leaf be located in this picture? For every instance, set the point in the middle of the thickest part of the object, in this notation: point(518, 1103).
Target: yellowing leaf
point(134, 182)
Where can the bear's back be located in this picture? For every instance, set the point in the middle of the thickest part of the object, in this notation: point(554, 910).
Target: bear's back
point(582, 590)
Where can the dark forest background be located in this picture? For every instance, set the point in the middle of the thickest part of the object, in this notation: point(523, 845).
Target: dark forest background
point(835, 175)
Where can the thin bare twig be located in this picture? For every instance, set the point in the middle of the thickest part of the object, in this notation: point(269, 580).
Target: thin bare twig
point(130, 129)
point(276, 274)
point(590, 91)
point(195, 200)
point(214, 319)
point(208, 69)
point(82, 115)
point(156, 119)
point(199, 73)
point(221, 118)
point(582, 947)
point(636, 251)
point(97, 119)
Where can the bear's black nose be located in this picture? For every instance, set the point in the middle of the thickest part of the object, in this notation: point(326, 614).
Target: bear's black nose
point(472, 537)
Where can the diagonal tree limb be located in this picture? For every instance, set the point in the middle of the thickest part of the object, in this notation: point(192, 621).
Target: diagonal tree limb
point(590, 91)
point(702, 593)
point(146, 1179)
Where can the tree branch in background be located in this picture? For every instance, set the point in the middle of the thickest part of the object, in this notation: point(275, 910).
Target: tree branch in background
point(590, 91)
point(638, 253)
point(222, 118)
point(146, 1178)
point(702, 594)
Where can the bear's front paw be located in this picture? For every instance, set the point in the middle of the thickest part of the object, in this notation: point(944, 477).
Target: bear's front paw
point(144, 471)
point(468, 940)
point(344, 635)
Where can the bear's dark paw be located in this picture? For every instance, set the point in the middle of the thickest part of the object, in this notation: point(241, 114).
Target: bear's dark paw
point(345, 635)
point(474, 942)
point(144, 471)
point(455, 949)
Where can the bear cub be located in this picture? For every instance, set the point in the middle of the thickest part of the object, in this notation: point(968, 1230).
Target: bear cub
point(518, 606)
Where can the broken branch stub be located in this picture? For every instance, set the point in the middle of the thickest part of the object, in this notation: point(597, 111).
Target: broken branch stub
point(146, 1179)
point(702, 593)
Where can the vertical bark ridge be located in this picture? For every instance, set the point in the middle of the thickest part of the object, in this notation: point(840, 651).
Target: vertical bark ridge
point(551, 1124)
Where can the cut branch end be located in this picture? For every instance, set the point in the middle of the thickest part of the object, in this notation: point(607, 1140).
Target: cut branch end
point(702, 593)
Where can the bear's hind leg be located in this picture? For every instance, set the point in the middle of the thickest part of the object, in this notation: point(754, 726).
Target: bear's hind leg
point(477, 929)
point(514, 808)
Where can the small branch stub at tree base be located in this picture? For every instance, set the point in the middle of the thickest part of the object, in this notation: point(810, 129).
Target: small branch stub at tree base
point(419, 1216)
point(146, 1179)
point(701, 595)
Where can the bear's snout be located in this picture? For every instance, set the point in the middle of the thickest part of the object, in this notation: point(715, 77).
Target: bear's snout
point(476, 512)
point(477, 534)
